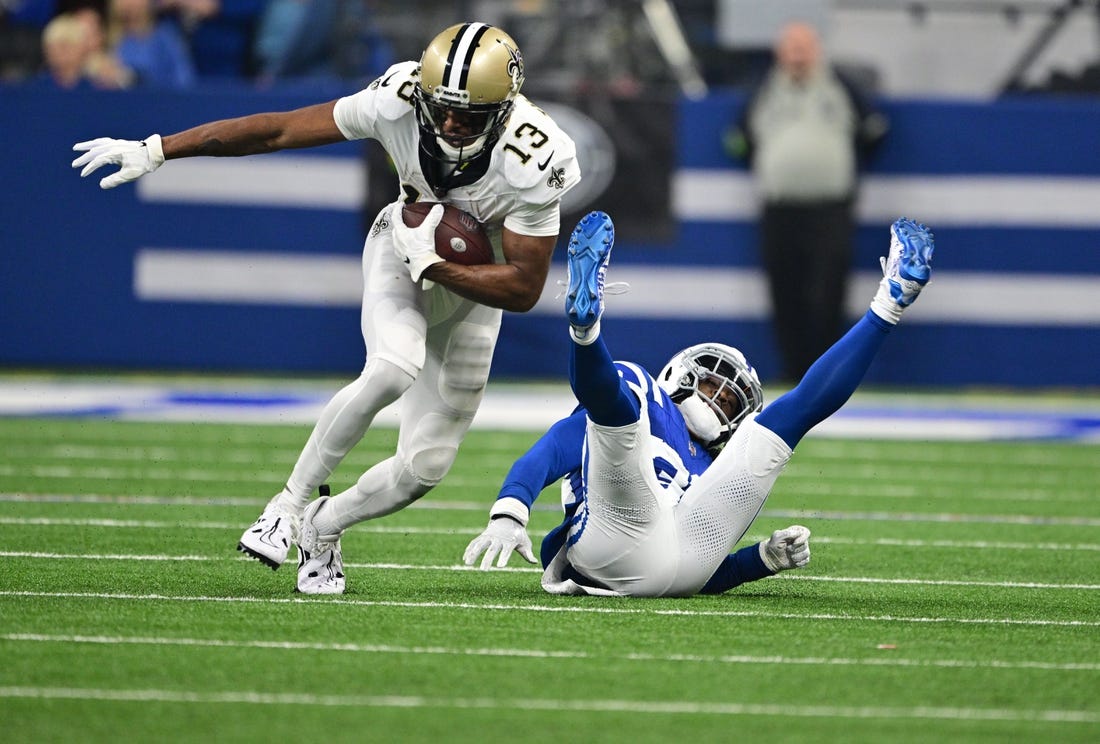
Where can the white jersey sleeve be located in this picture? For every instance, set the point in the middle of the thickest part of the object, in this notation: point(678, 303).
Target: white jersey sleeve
point(540, 163)
point(386, 99)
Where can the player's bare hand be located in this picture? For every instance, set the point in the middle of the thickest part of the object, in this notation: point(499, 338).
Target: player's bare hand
point(134, 158)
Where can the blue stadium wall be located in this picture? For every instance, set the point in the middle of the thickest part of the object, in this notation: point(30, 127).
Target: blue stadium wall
point(252, 264)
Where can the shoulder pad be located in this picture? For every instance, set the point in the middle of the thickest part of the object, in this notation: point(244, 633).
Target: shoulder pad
point(393, 90)
point(536, 154)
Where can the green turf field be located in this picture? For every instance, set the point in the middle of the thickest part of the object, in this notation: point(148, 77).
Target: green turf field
point(953, 596)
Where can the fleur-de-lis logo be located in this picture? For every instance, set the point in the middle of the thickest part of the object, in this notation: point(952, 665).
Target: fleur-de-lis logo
point(381, 223)
point(515, 65)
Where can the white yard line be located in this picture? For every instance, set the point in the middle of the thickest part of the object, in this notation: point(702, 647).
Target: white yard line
point(536, 653)
point(523, 569)
point(554, 705)
point(410, 530)
point(798, 481)
point(640, 609)
point(430, 504)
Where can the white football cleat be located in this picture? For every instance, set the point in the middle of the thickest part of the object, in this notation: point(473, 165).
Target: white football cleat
point(320, 560)
point(321, 573)
point(269, 538)
point(786, 549)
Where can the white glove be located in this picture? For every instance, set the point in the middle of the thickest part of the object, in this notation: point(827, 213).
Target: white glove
point(505, 533)
point(416, 245)
point(786, 549)
point(135, 158)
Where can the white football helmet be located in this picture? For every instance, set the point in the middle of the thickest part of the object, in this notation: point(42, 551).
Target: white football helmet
point(473, 72)
point(734, 382)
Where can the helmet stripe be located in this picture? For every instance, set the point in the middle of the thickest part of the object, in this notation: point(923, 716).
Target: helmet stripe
point(457, 71)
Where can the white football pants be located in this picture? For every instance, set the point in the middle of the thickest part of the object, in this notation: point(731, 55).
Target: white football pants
point(641, 539)
point(430, 348)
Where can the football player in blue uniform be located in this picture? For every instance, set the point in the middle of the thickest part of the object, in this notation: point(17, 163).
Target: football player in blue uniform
point(662, 477)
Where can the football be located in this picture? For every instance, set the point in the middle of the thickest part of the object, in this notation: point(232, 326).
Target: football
point(459, 237)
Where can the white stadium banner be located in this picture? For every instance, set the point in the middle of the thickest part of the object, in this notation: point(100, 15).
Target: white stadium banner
point(163, 274)
point(312, 279)
point(1038, 201)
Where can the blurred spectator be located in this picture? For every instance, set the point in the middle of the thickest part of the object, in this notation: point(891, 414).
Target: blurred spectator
point(65, 50)
point(296, 38)
point(189, 14)
point(154, 49)
point(100, 66)
point(21, 25)
point(804, 132)
point(331, 40)
point(219, 34)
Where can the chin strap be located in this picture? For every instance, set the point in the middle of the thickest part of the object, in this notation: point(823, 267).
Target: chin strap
point(701, 419)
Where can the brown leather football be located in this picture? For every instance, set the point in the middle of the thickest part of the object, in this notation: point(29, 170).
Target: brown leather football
point(459, 237)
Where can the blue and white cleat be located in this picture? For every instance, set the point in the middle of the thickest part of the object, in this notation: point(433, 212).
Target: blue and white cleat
point(589, 253)
point(909, 265)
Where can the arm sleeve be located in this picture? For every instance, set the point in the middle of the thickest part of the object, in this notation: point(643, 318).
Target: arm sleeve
point(556, 453)
point(828, 383)
point(738, 568)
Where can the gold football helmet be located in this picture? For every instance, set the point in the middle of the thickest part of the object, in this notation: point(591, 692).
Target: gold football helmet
point(470, 75)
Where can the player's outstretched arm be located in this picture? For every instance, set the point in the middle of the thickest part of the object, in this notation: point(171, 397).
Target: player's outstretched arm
point(247, 135)
point(556, 453)
point(503, 535)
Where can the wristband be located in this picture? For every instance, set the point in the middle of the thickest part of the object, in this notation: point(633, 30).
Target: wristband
point(509, 506)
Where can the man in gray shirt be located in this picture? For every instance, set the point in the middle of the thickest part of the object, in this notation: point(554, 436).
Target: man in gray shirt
point(804, 131)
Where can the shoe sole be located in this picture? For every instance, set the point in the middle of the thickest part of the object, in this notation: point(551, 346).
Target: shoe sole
point(586, 254)
point(317, 594)
point(269, 562)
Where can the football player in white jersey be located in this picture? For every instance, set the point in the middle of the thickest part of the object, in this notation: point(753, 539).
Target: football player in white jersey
point(457, 130)
point(662, 477)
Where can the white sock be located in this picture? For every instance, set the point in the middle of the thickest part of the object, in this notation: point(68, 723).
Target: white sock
point(590, 334)
point(883, 304)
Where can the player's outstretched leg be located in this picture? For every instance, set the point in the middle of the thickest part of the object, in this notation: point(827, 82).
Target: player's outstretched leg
point(589, 253)
point(320, 559)
point(833, 378)
point(906, 270)
point(269, 538)
point(592, 372)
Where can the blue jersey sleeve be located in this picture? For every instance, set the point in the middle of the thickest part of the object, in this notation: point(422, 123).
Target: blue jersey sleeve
point(738, 568)
point(556, 453)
